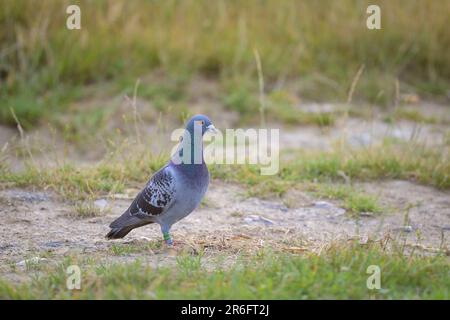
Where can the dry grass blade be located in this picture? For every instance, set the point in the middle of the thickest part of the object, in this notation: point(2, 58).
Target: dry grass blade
point(262, 100)
point(354, 83)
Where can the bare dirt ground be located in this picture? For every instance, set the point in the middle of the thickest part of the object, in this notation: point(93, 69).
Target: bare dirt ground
point(38, 223)
point(35, 224)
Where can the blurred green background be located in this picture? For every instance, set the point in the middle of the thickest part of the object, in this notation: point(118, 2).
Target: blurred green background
point(315, 47)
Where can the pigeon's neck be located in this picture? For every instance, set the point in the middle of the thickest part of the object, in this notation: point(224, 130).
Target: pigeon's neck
point(190, 150)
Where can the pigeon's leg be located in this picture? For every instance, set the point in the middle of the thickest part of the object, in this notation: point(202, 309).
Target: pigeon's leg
point(166, 235)
point(168, 239)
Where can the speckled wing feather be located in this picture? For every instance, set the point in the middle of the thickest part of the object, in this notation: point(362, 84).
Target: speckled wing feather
point(156, 197)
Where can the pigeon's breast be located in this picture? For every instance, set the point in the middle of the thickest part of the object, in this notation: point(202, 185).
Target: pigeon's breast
point(190, 188)
point(193, 185)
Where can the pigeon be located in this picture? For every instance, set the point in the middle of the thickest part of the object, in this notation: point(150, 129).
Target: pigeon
point(175, 190)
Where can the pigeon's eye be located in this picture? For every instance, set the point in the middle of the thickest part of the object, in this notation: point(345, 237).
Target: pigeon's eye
point(202, 122)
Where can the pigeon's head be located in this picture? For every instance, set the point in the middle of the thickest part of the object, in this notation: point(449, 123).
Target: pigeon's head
point(200, 122)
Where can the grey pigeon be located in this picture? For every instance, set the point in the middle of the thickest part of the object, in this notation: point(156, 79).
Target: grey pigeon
point(175, 190)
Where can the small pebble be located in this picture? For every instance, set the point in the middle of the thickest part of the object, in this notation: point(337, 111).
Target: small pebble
point(323, 205)
point(255, 218)
point(101, 204)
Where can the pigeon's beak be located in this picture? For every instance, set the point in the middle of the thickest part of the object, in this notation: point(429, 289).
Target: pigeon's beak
point(211, 129)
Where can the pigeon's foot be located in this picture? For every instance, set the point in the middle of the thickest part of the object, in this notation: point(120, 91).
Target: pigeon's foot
point(170, 245)
point(171, 249)
point(177, 246)
point(178, 249)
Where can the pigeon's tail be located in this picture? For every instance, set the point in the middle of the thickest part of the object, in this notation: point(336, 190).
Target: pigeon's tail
point(118, 233)
point(124, 224)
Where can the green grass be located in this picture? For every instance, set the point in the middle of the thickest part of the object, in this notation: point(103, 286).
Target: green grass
point(109, 176)
point(340, 272)
point(414, 115)
point(407, 161)
point(127, 249)
point(353, 200)
point(316, 47)
point(68, 181)
point(390, 161)
point(86, 209)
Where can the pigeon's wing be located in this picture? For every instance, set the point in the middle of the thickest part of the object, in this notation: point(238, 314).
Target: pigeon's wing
point(156, 197)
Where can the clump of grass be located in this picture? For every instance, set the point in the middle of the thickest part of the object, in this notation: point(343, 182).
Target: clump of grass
point(357, 202)
point(339, 272)
point(236, 214)
point(353, 200)
point(131, 248)
point(86, 209)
